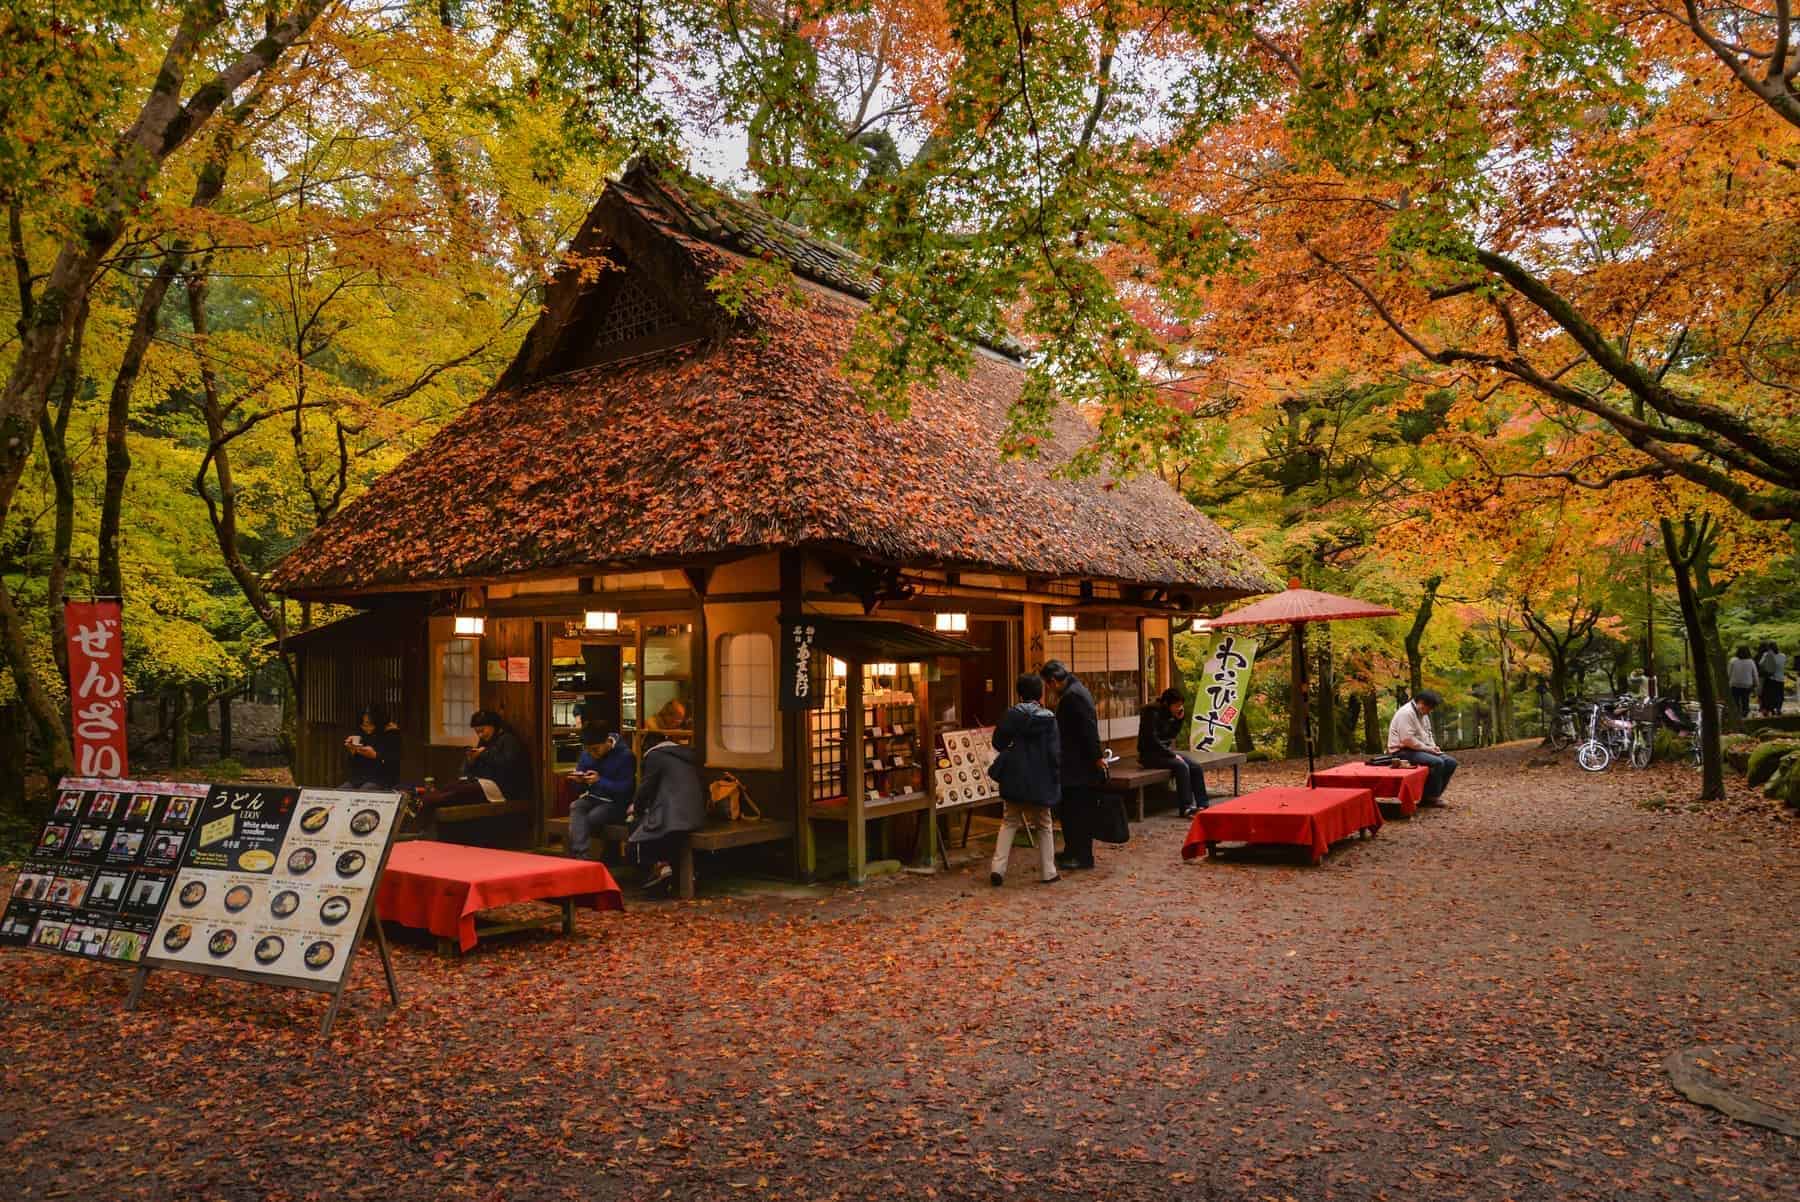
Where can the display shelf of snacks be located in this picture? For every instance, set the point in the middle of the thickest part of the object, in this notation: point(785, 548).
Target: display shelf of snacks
point(892, 774)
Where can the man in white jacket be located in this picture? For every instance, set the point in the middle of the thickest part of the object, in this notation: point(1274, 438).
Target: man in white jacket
point(1410, 739)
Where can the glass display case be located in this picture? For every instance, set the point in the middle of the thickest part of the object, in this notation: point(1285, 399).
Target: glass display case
point(889, 759)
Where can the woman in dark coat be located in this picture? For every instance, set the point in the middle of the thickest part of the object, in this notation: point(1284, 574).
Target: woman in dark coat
point(670, 803)
point(373, 752)
point(496, 765)
point(1029, 773)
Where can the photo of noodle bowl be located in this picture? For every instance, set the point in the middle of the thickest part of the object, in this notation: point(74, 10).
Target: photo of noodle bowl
point(320, 954)
point(269, 949)
point(221, 943)
point(237, 897)
point(314, 820)
point(177, 936)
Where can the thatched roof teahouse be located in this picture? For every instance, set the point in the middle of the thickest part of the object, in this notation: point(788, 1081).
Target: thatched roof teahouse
point(659, 492)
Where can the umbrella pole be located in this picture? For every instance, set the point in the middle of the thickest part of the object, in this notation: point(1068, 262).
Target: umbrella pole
point(1306, 729)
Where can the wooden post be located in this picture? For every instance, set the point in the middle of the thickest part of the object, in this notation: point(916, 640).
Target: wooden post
point(925, 754)
point(796, 754)
point(858, 849)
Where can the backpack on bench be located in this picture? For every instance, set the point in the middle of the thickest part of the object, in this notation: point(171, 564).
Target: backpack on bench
point(728, 799)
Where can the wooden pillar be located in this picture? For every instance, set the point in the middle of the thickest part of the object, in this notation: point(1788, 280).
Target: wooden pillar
point(796, 756)
point(925, 753)
point(858, 829)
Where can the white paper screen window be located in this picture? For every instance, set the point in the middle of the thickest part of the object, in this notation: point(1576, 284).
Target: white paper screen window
point(747, 693)
point(457, 685)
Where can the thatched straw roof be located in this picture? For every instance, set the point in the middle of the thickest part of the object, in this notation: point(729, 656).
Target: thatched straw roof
point(739, 438)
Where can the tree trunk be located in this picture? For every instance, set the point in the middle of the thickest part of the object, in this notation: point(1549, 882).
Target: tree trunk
point(54, 429)
point(225, 727)
point(1695, 546)
point(178, 730)
point(1372, 725)
point(1296, 738)
point(12, 759)
point(1415, 637)
point(1326, 698)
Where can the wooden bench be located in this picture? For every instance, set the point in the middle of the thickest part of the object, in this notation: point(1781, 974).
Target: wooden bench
point(432, 822)
point(722, 836)
point(1129, 779)
point(556, 830)
point(1208, 760)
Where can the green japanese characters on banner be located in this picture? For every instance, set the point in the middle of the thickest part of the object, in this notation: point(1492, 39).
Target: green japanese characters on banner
point(1224, 682)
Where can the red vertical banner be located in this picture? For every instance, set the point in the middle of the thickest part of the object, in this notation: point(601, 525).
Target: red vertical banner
point(97, 686)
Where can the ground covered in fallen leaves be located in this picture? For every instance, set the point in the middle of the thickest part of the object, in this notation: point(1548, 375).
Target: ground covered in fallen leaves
point(1476, 1003)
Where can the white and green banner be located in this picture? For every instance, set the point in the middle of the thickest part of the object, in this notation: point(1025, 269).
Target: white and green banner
point(1224, 682)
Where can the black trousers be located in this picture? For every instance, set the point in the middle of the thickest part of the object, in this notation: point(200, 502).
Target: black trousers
point(1077, 815)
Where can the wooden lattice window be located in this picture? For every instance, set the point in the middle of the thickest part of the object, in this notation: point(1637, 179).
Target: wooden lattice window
point(633, 313)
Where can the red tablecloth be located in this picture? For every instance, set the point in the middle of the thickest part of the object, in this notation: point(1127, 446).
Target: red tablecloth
point(1312, 818)
point(441, 886)
point(1405, 783)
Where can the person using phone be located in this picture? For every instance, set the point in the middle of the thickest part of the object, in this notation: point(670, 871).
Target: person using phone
point(606, 773)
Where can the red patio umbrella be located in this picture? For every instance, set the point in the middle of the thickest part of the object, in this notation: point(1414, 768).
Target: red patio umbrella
point(1296, 607)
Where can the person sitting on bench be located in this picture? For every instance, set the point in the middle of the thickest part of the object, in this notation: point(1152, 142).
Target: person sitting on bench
point(373, 752)
point(1159, 725)
point(670, 803)
point(1410, 739)
point(494, 769)
point(607, 772)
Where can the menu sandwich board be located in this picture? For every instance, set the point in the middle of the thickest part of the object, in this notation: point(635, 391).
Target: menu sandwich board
point(962, 763)
point(99, 875)
point(277, 886)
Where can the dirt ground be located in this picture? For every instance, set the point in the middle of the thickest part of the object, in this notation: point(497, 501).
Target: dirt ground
point(1477, 1003)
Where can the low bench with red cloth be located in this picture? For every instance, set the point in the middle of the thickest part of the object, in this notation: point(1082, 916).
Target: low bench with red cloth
point(1309, 818)
point(442, 886)
point(1404, 784)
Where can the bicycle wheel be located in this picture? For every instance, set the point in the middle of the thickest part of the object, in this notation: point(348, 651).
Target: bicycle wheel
point(1561, 735)
point(1593, 756)
point(1640, 750)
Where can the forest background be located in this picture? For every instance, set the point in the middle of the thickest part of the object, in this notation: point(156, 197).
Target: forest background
point(1485, 311)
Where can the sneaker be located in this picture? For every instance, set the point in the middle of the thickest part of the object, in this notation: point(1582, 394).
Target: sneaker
point(996, 879)
point(660, 879)
point(1051, 880)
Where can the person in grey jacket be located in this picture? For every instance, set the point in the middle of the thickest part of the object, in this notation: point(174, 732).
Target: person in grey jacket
point(1029, 773)
point(670, 803)
point(1083, 762)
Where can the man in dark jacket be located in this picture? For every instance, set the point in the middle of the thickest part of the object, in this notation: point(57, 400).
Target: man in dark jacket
point(1083, 762)
point(670, 803)
point(1029, 773)
point(1159, 726)
point(607, 774)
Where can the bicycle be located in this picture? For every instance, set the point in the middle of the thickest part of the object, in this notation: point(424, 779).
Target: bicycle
point(1593, 755)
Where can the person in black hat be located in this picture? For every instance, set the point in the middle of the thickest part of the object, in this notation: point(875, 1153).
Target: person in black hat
point(1159, 726)
point(1083, 762)
point(494, 769)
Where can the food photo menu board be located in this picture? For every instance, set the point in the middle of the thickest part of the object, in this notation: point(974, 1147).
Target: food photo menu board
point(276, 883)
point(100, 872)
point(962, 765)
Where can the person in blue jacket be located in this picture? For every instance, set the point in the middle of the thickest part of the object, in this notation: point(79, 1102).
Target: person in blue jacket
point(1029, 773)
point(607, 772)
